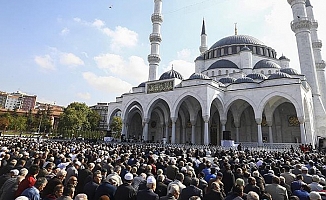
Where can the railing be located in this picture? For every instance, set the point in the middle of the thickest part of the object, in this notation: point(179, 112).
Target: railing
point(251, 146)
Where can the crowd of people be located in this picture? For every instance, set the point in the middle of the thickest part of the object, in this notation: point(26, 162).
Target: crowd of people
point(87, 170)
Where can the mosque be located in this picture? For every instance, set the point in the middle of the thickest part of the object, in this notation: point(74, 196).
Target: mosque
point(240, 91)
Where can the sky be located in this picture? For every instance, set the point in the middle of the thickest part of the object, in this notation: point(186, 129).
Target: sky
point(94, 51)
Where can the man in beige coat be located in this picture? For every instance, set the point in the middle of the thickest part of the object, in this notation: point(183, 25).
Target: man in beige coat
point(277, 191)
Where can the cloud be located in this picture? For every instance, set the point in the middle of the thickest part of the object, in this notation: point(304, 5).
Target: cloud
point(45, 62)
point(70, 59)
point(120, 37)
point(185, 68)
point(107, 84)
point(135, 70)
point(64, 31)
point(85, 96)
point(98, 23)
point(184, 64)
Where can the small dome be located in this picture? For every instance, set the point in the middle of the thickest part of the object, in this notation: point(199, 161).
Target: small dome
point(244, 80)
point(290, 71)
point(237, 39)
point(283, 58)
point(278, 75)
point(171, 74)
point(201, 57)
point(198, 76)
point(263, 64)
point(257, 76)
point(142, 84)
point(227, 80)
point(223, 64)
point(245, 48)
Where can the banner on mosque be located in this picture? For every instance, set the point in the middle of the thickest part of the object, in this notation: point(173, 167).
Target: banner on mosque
point(160, 87)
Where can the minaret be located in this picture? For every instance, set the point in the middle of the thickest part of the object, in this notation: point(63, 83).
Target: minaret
point(317, 45)
point(301, 26)
point(155, 39)
point(203, 43)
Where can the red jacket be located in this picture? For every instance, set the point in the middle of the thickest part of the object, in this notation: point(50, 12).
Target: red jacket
point(28, 182)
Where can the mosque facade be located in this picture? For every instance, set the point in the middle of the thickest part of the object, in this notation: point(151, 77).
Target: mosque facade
point(240, 91)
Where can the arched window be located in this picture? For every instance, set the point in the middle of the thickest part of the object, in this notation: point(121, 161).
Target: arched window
point(227, 71)
point(269, 71)
point(233, 71)
point(230, 50)
point(262, 71)
point(219, 72)
point(212, 73)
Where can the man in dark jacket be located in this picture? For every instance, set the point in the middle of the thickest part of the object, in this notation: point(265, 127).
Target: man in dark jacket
point(191, 190)
point(148, 194)
point(108, 187)
point(90, 187)
point(172, 170)
point(161, 188)
point(126, 191)
point(251, 186)
point(228, 178)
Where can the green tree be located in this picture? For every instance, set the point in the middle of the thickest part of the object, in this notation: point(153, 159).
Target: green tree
point(93, 119)
point(78, 117)
point(116, 127)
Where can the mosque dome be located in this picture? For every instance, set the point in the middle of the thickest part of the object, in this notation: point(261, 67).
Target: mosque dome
point(237, 39)
point(265, 63)
point(223, 64)
point(142, 84)
point(227, 80)
point(198, 76)
point(244, 80)
point(171, 74)
point(278, 75)
point(290, 71)
point(257, 76)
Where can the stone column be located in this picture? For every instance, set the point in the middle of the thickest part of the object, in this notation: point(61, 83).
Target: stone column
point(174, 120)
point(270, 132)
point(145, 129)
point(237, 125)
point(206, 131)
point(302, 130)
point(167, 130)
point(260, 135)
point(223, 122)
point(193, 130)
point(183, 133)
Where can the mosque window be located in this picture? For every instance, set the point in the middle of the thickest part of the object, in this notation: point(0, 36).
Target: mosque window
point(218, 52)
point(254, 50)
point(226, 71)
point(238, 49)
point(222, 52)
point(212, 73)
point(215, 53)
point(230, 50)
point(268, 52)
point(219, 72)
point(207, 73)
point(262, 71)
point(269, 72)
point(233, 71)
